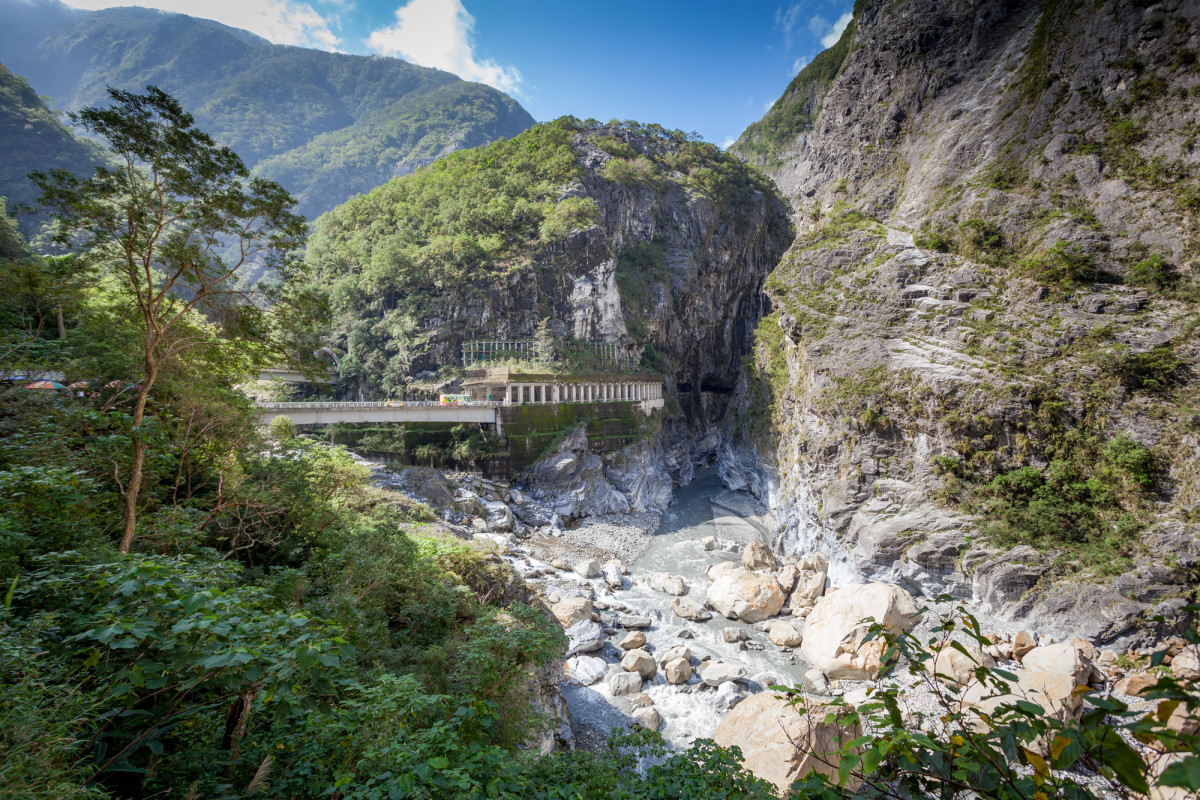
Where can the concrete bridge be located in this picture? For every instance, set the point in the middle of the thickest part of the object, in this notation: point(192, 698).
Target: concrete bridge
point(328, 413)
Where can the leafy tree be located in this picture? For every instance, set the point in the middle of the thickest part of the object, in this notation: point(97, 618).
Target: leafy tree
point(161, 223)
point(1018, 749)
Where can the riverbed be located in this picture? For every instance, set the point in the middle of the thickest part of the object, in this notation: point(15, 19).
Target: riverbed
point(689, 711)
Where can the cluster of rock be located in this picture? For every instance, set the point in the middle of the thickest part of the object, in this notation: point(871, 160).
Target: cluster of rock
point(569, 484)
point(640, 661)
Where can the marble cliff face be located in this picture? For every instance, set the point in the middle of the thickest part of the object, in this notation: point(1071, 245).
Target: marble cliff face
point(998, 235)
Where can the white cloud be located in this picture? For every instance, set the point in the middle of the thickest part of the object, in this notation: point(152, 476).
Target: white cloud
point(787, 19)
point(767, 105)
point(279, 21)
point(440, 33)
point(835, 33)
point(799, 64)
point(725, 145)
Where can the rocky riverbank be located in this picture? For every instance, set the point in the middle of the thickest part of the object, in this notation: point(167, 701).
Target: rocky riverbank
point(680, 619)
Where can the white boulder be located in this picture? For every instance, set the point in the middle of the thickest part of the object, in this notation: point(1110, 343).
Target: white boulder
point(666, 582)
point(835, 630)
point(745, 595)
point(781, 745)
point(585, 670)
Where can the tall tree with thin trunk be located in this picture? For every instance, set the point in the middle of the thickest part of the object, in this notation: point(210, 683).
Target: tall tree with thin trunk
point(177, 219)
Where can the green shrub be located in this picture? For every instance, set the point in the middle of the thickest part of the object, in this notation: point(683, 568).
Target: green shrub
point(637, 171)
point(1152, 372)
point(1018, 750)
point(1064, 264)
point(1154, 271)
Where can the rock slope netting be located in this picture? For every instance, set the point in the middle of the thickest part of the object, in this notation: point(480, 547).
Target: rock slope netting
point(631, 235)
point(979, 373)
point(325, 125)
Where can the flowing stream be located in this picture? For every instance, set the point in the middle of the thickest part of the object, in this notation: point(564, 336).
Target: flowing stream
point(689, 711)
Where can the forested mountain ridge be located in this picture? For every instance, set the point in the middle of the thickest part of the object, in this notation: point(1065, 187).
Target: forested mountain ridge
point(629, 234)
point(31, 137)
point(384, 116)
point(982, 362)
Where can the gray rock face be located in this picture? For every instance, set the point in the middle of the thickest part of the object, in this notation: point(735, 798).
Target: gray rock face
point(584, 637)
point(639, 472)
point(918, 357)
point(622, 683)
point(571, 481)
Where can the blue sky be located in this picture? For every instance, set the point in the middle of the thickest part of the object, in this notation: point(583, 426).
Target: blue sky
point(711, 67)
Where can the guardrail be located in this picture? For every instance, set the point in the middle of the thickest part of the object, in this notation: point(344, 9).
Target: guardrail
point(382, 404)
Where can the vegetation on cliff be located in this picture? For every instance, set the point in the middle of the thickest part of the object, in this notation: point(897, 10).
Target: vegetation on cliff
point(502, 218)
point(32, 137)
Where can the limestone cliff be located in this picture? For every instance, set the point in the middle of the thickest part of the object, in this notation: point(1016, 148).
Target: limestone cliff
point(979, 369)
point(627, 234)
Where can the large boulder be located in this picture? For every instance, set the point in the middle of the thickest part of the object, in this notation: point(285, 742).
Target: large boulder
point(714, 673)
point(949, 665)
point(426, 485)
point(689, 609)
point(811, 573)
point(499, 516)
point(647, 718)
point(623, 683)
point(1186, 665)
point(672, 653)
point(721, 569)
point(787, 577)
point(745, 595)
point(641, 662)
point(584, 637)
point(632, 640)
point(572, 610)
point(781, 745)
point(728, 695)
point(667, 583)
point(835, 633)
point(588, 568)
point(1062, 658)
point(784, 634)
point(584, 670)
point(678, 670)
point(614, 575)
point(757, 556)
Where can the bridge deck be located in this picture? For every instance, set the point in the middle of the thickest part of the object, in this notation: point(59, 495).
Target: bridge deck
point(326, 413)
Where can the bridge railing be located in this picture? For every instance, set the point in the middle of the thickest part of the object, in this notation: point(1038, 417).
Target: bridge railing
point(380, 404)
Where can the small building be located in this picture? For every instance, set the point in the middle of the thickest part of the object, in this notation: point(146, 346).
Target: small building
point(502, 385)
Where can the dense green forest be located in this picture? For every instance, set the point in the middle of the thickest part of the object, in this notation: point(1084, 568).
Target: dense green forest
point(372, 116)
point(32, 136)
point(485, 220)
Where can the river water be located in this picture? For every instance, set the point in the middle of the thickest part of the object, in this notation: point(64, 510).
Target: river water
point(689, 711)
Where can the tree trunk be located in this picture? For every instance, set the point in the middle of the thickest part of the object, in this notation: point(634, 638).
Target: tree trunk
point(133, 485)
point(62, 325)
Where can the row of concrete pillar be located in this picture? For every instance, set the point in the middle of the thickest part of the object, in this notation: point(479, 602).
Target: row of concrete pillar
point(523, 393)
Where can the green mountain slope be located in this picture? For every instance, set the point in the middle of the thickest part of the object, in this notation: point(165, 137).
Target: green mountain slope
point(32, 138)
point(394, 141)
point(261, 99)
point(628, 234)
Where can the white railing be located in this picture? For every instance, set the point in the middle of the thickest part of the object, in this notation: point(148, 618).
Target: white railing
point(382, 404)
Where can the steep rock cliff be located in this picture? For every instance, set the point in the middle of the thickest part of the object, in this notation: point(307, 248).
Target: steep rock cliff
point(630, 235)
point(979, 373)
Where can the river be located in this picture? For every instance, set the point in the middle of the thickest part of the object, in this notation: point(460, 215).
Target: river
point(688, 711)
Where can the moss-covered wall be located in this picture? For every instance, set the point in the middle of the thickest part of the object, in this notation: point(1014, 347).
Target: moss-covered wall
point(532, 428)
